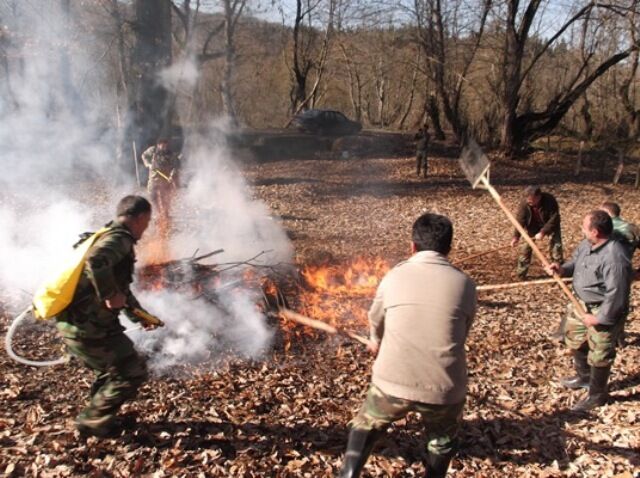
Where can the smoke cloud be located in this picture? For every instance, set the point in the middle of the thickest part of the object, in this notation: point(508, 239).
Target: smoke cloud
point(61, 177)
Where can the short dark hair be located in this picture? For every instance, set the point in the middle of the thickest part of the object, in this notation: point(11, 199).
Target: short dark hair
point(132, 206)
point(532, 191)
point(432, 232)
point(611, 207)
point(601, 221)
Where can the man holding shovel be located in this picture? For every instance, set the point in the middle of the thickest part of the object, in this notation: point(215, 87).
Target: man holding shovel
point(602, 274)
point(163, 165)
point(419, 319)
point(539, 215)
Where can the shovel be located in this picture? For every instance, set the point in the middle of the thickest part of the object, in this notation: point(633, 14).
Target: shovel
point(475, 165)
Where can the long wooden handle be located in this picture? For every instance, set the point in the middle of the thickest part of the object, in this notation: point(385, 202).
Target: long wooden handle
point(527, 283)
point(480, 254)
point(534, 247)
point(319, 325)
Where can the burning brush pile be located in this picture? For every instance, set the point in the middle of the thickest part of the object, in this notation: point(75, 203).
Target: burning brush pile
point(324, 298)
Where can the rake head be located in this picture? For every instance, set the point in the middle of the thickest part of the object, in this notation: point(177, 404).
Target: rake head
point(474, 163)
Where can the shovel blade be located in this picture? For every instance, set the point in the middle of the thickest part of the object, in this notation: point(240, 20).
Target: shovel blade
point(474, 163)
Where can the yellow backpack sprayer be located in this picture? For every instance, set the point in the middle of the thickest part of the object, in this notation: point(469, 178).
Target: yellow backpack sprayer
point(56, 294)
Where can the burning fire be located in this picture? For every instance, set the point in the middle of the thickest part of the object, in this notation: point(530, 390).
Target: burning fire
point(156, 248)
point(340, 294)
point(336, 294)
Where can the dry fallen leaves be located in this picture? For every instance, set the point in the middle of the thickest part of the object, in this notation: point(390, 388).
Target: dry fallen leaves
point(287, 415)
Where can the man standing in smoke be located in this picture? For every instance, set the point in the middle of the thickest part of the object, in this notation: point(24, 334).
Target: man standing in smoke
point(90, 327)
point(163, 166)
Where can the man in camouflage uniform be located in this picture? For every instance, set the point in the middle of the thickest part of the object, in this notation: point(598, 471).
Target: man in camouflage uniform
point(623, 231)
point(539, 215)
point(90, 327)
point(601, 273)
point(628, 235)
point(420, 319)
point(163, 167)
point(422, 144)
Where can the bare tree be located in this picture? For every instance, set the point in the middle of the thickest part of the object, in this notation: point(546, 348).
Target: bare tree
point(521, 125)
point(449, 41)
point(307, 56)
point(152, 53)
point(626, 90)
point(232, 11)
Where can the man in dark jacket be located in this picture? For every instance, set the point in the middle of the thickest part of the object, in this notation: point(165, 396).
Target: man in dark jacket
point(539, 215)
point(90, 327)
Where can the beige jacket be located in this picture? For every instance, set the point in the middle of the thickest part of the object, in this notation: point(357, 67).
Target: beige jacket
point(421, 315)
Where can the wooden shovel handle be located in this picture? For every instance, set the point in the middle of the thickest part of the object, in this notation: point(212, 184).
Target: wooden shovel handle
point(534, 247)
point(319, 325)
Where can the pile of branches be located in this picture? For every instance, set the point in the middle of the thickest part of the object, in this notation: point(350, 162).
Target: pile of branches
point(209, 281)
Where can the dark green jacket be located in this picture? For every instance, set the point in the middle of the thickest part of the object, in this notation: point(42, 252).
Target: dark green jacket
point(108, 269)
point(550, 213)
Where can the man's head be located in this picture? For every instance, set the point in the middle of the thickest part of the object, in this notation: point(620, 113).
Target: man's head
point(163, 144)
point(611, 208)
point(533, 195)
point(597, 226)
point(432, 232)
point(135, 213)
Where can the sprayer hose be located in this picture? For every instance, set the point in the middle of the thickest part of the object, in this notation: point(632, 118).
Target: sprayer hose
point(9, 348)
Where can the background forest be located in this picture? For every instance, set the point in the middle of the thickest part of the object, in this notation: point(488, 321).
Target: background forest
point(505, 71)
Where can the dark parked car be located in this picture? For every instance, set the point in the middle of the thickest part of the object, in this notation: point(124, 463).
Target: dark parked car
point(325, 122)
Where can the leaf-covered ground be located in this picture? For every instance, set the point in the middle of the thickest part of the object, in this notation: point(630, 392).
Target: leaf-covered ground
point(286, 415)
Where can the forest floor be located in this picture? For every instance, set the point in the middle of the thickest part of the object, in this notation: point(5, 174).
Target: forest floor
point(286, 415)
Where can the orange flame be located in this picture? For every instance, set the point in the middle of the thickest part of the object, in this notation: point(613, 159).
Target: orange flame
point(155, 247)
point(340, 294)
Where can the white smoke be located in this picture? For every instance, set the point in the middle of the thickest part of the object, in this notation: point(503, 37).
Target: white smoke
point(182, 73)
point(54, 142)
point(60, 178)
point(197, 331)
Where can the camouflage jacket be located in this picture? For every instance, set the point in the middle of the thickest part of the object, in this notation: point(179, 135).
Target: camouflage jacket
point(108, 269)
point(158, 162)
point(627, 233)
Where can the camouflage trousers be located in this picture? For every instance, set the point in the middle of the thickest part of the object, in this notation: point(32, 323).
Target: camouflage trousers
point(601, 340)
point(421, 162)
point(161, 193)
point(525, 251)
point(442, 422)
point(119, 372)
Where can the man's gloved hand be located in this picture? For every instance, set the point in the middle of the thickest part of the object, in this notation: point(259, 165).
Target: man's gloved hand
point(147, 320)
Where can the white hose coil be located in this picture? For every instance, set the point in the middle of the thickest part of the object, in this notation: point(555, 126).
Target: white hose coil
point(8, 339)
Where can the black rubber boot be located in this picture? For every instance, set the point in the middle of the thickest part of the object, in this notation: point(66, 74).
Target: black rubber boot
point(437, 465)
point(597, 390)
point(583, 371)
point(621, 341)
point(358, 450)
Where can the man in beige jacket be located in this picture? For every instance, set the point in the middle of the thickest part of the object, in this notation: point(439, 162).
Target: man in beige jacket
point(419, 319)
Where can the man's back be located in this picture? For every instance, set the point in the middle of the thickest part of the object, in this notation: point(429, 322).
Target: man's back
point(428, 306)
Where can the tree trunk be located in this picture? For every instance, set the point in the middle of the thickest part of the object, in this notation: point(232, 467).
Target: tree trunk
point(71, 96)
point(433, 112)
point(152, 108)
point(226, 85)
point(585, 112)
